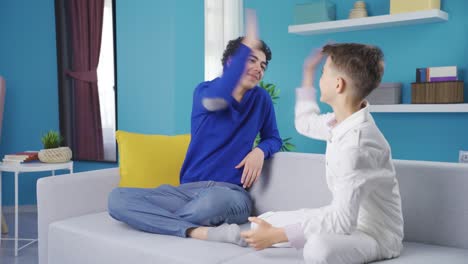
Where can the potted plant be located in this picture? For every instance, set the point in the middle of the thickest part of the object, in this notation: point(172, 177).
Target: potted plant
point(53, 152)
point(274, 94)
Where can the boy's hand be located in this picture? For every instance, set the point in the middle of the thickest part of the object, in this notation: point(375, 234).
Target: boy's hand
point(253, 164)
point(264, 236)
point(310, 65)
point(251, 30)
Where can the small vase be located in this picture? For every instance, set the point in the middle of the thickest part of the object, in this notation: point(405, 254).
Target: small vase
point(55, 155)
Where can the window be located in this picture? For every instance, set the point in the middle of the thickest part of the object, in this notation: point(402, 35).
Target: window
point(223, 22)
point(106, 84)
point(86, 77)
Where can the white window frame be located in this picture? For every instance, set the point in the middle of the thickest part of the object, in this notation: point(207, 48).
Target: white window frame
point(106, 85)
point(223, 22)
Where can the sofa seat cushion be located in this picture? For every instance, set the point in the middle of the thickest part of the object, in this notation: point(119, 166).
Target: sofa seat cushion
point(413, 253)
point(418, 253)
point(71, 241)
point(110, 241)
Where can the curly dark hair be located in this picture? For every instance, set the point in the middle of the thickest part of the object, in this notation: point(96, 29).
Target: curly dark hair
point(234, 44)
point(362, 63)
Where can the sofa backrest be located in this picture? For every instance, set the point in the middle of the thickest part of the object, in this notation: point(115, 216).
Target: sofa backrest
point(434, 194)
point(435, 202)
point(291, 181)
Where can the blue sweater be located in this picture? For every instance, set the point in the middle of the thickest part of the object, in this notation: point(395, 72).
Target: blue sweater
point(221, 139)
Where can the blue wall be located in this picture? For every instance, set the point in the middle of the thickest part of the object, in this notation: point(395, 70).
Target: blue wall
point(425, 136)
point(145, 60)
point(160, 47)
point(190, 59)
point(160, 60)
point(28, 63)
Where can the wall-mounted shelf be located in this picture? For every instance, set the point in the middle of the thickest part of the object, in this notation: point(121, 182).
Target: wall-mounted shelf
point(420, 108)
point(372, 22)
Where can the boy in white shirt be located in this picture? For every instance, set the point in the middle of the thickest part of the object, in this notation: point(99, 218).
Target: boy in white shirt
point(364, 221)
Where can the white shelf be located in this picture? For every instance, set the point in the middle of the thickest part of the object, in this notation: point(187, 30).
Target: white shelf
point(372, 22)
point(420, 108)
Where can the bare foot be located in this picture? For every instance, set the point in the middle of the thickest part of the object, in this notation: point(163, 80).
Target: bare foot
point(198, 232)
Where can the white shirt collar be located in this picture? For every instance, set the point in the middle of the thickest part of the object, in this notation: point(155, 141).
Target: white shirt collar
point(351, 121)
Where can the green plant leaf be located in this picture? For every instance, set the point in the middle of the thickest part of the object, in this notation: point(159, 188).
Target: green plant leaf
point(274, 94)
point(51, 139)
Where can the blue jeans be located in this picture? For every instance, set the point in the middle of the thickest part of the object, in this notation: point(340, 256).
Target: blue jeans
point(170, 210)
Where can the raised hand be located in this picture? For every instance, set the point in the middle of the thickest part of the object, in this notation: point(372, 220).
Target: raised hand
point(251, 39)
point(310, 65)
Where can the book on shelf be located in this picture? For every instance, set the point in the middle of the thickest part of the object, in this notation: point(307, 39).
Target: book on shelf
point(437, 74)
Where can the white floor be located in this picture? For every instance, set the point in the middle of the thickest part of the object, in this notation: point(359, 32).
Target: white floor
point(27, 229)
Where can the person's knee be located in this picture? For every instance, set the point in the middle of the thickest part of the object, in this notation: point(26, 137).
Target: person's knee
point(238, 209)
point(317, 250)
point(209, 209)
point(202, 215)
point(220, 205)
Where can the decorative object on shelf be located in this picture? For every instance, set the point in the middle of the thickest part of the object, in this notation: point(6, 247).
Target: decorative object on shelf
point(371, 22)
point(403, 6)
point(359, 10)
point(437, 74)
point(386, 93)
point(437, 85)
point(274, 94)
point(313, 12)
point(53, 152)
point(437, 92)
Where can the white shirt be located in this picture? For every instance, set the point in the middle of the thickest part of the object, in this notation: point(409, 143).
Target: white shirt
point(359, 173)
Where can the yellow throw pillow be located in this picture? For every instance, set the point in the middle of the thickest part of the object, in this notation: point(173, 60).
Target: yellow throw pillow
point(147, 161)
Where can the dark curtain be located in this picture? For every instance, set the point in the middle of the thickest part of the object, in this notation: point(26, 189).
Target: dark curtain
point(84, 25)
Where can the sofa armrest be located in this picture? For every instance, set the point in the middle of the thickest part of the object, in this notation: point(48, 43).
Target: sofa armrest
point(70, 195)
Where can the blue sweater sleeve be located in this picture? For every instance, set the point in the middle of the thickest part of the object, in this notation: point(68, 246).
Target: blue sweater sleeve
point(223, 87)
point(270, 140)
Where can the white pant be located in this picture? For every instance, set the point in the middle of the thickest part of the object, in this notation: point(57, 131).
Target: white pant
point(328, 248)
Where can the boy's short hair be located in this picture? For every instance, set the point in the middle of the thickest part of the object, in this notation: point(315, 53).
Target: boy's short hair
point(234, 44)
point(362, 63)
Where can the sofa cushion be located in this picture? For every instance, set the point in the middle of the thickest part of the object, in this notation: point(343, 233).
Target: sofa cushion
point(270, 256)
point(148, 161)
point(113, 242)
point(418, 253)
point(291, 181)
point(434, 202)
point(98, 238)
point(413, 253)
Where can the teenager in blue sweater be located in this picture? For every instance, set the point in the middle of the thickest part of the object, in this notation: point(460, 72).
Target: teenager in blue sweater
point(228, 112)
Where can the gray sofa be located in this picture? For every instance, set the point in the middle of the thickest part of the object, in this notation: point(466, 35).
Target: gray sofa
point(74, 226)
